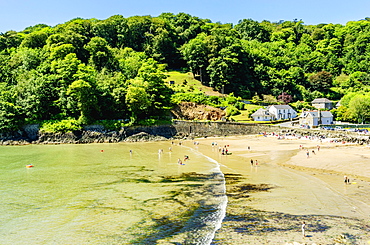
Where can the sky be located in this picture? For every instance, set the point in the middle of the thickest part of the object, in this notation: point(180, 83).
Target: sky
point(19, 14)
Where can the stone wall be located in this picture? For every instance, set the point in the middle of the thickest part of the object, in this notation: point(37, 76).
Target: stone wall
point(201, 129)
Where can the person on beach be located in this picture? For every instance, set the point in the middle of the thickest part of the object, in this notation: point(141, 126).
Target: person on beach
point(251, 162)
point(308, 154)
point(179, 161)
point(303, 227)
point(313, 152)
point(346, 180)
point(256, 162)
point(186, 157)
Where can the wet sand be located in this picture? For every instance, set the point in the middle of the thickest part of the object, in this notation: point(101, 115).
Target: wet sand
point(267, 203)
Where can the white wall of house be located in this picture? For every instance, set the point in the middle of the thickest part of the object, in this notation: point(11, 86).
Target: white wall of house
point(327, 120)
point(313, 119)
point(282, 113)
point(262, 118)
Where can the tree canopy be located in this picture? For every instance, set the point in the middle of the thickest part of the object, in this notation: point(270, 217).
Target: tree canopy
point(89, 69)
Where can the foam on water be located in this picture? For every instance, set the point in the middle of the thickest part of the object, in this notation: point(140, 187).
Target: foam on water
point(214, 207)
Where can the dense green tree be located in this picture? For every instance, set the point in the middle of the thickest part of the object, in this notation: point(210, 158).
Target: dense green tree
point(35, 40)
point(137, 99)
point(101, 55)
point(111, 29)
point(196, 53)
point(152, 74)
point(250, 29)
point(10, 118)
point(321, 81)
point(65, 69)
point(12, 39)
point(85, 99)
point(359, 106)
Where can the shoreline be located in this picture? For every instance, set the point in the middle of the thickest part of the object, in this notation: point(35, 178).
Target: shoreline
point(287, 188)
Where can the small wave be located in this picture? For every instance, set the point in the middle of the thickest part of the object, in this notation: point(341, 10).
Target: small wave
point(223, 201)
point(208, 218)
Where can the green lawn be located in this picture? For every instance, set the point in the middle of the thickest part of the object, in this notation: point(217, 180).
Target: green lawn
point(243, 117)
point(185, 82)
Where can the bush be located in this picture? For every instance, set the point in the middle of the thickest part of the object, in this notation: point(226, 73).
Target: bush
point(199, 98)
point(63, 126)
point(232, 111)
point(151, 121)
point(240, 105)
point(114, 125)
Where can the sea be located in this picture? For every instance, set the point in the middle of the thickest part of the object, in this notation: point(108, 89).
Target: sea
point(124, 193)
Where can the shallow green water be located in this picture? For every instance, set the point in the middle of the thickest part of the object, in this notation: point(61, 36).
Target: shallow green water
point(103, 194)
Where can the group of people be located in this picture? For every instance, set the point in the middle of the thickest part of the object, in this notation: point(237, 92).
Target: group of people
point(186, 157)
point(224, 150)
point(308, 152)
point(254, 162)
point(346, 180)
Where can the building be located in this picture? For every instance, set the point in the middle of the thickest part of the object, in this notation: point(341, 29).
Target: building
point(322, 103)
point(311, 119)
point(282, 112)
point(274, 112)
point(262, 115)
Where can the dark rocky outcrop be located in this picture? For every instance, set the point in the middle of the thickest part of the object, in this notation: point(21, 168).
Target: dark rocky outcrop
point(177, 130)
point(142, 136)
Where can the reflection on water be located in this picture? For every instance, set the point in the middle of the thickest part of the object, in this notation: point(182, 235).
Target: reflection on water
point(133, 193)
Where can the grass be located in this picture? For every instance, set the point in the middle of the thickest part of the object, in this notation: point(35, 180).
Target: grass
point(244, 115)
point(185, 82)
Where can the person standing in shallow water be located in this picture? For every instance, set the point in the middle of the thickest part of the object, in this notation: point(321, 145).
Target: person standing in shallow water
point(179, 162)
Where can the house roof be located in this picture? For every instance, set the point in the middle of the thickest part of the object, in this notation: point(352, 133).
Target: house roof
point(281, 107)
point(261, 113)
point(326, 114)
point(321, 100)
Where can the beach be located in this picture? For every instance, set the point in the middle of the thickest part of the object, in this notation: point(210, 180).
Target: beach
point(296, 179)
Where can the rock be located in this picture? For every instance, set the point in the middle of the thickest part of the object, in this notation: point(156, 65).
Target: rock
point(193, 111)
point(144, 137)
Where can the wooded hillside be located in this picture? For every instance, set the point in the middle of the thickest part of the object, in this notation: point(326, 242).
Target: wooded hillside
point(89, 69)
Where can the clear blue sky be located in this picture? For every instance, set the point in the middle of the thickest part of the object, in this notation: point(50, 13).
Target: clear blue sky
point(18, 14)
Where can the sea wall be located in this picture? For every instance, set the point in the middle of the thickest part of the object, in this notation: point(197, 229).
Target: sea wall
point(178, 130)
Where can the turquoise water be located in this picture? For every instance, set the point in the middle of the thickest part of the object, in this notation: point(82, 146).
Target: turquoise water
point(103, 194)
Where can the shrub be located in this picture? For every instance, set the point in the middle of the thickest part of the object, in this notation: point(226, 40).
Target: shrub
point(63, 126)
point(232, 111)
point(114, 125)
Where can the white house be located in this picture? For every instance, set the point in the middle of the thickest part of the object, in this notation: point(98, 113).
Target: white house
point(315, 118)
point(262, 115)
point(274, 112)
point(282, 112)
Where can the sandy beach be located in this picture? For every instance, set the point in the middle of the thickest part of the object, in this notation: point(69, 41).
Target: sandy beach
point(295, 180)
